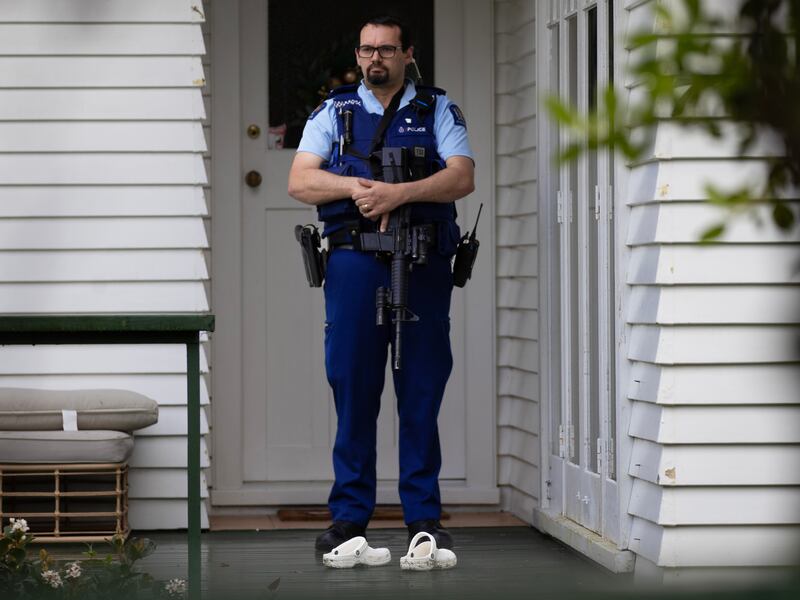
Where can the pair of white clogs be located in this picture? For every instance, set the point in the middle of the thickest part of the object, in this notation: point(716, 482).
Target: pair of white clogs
point(423, 555)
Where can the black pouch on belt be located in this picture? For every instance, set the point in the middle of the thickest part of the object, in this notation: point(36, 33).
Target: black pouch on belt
point(314, 259)
point(465, 255)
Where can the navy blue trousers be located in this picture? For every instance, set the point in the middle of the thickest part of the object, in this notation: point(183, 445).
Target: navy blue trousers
point(355, 360)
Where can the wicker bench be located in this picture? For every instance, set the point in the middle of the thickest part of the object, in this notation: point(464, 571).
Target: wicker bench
point(63, 460)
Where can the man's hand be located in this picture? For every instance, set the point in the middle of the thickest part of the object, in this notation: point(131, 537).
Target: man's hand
point(377, 199)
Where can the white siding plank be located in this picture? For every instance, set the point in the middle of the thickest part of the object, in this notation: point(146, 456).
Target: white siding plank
point(89, 136)
point(109, 39)
point(115, 297)
point(96, 201)
point(102, 233)
point(172, 421)
point(151, 514)
point(95, 359)
point(678, 141)
point(518, 503)
point(716, 546)
point(516, 169)
point(517, 261)
point(755, 384)
point(164, 452)
point(106, 265)
point(135, 104)
point(680, 222)
point(521, 292)
point(520, 444)
point(513, 107)
point(517, 231)
point(692, 344)
point(518, 323)
point(519, 474)
point(101, 72)
point(517, 200)
point(722, 263)
point(164, 388)
point(78, 169)
point(67, 11)
point(715, 464)
point(518, 413)
point(513, 382)
point(714, 304)
point(716, 424)
point(518, 353)
point(744, 505)
point(686, 180)
point(161, 483)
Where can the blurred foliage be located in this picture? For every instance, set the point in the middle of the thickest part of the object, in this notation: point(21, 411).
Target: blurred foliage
point(696, 73)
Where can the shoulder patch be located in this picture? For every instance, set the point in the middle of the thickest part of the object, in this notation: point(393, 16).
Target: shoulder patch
point(458, 116)
point(316, 111)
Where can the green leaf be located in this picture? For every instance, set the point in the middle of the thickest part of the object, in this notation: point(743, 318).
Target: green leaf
point(783, 216)
point(560, 111)
point(572, 152)
point(712, 233)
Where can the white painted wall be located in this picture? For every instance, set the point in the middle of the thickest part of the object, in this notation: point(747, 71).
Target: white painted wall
point(713, 348)
point(517, 258)
point(102, 205)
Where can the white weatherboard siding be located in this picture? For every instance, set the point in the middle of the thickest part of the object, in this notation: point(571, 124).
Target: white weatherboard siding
point(102, 206)
point(714, 348)
point(518, 443)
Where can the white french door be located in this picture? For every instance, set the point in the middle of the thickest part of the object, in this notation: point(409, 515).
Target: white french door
point(581, 479)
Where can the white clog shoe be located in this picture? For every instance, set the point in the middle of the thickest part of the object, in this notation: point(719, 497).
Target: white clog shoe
point(356, 551)
point(425, 556)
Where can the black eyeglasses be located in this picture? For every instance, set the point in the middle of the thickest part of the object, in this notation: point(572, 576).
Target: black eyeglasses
point(384, 51)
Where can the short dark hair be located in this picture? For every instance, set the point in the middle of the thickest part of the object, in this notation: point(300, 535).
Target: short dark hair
point(392, 21)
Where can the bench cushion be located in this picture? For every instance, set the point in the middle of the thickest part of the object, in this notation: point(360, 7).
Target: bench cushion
point(65, 446)
point(24, 409)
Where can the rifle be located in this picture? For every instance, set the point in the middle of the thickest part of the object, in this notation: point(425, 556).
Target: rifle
point(406, 245)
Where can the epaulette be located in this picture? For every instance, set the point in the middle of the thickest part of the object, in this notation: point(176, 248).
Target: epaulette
point(343, 89)
point(432, 89)
point(425, 99)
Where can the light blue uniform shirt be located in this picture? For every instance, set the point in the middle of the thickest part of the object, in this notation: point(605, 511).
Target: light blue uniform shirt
point(321, 133)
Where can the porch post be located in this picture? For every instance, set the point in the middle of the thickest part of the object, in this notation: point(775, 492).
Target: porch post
point(193, 457)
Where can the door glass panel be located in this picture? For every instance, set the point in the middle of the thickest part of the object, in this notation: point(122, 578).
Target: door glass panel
point(574, 307)
point(556, 419)
point(311, 50)
point(592, 285)
point(612, 381)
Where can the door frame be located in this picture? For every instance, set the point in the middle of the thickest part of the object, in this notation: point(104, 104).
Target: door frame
point(554, 469)
point(471, 85)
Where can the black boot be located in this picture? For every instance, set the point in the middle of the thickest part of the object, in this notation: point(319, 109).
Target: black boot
point(439, 533)
point(338, 533)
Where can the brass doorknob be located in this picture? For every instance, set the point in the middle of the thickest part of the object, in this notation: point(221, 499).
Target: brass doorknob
point(253, 179)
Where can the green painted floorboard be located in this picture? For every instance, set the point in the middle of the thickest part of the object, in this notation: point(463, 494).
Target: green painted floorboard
point(503, 562)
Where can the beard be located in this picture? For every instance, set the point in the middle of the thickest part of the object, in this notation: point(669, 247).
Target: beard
point(377, 77)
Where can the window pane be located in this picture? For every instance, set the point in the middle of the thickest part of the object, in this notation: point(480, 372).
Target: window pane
point(311, 50)
point(574, 318)
point(592, 285)
point(556, 419)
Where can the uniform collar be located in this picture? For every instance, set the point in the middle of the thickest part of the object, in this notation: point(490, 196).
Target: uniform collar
point(373, 105)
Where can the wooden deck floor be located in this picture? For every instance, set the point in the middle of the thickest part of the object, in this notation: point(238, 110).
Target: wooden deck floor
point(501, 562)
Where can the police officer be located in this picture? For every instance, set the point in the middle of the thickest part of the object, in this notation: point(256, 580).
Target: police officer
point(336, 175)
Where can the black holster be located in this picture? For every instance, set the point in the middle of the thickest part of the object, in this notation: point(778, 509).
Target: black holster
point(315, 260)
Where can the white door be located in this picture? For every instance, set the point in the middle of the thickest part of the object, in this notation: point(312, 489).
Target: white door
point(288, 421)
point(582, 466)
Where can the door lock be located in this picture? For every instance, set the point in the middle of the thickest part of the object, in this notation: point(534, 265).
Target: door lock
point(253, 179)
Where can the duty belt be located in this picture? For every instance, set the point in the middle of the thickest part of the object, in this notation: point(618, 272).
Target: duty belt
point(349, 236)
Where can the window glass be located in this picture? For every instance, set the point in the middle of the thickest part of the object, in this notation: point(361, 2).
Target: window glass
point(311, 50)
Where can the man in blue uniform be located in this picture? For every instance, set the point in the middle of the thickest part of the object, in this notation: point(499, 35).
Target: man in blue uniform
point(332, 170)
